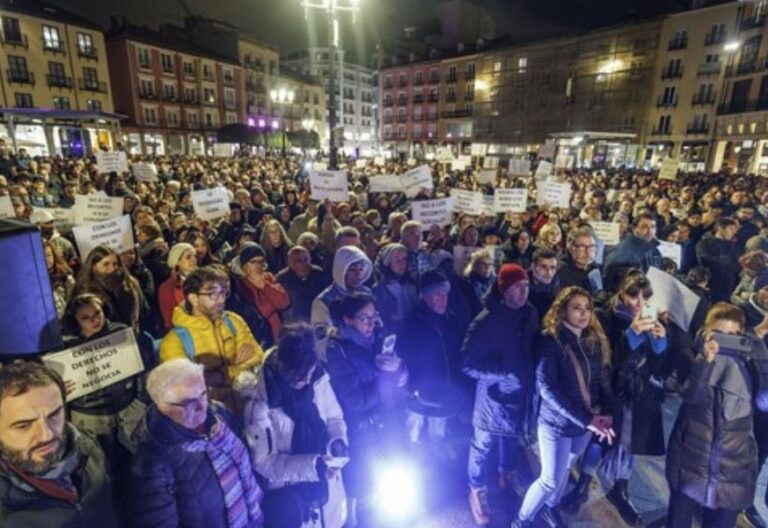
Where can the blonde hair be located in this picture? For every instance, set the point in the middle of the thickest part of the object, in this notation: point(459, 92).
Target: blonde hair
point(723, 311)
point(594, 333)
point(482, 254)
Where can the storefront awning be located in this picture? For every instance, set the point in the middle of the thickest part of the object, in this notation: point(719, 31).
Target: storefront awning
point(593, 135)
point(43, 114)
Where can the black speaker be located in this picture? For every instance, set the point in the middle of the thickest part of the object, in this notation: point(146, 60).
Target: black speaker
point(28, 319)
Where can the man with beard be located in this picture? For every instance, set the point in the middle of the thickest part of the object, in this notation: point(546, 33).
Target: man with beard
point(50, 474)
point(44, 221)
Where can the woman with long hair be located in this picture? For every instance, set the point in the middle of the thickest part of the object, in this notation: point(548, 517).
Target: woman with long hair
point(576, 401)
point(276, 243)
point(479, 276)
point(62, 281)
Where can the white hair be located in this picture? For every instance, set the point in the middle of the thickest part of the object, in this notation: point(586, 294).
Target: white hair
point(171, 374)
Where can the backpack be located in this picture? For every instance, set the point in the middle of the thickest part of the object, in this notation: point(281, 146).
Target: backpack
point(186, 338)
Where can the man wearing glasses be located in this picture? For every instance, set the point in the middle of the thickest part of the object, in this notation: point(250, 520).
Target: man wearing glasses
point(579, 267)
point(636, 250)
point(207, 334)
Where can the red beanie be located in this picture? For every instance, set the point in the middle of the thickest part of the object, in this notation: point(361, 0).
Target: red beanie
point(509, 275)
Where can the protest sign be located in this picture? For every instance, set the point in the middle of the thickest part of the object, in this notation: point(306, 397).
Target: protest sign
point(564, 161)
point(543, 170)
point(111, 162)
point(222, 150)
point(379, 161)
point(62, 218)
point(210, 204)
point(320, 165)
point(668, 169)
point(416, 179)
point(672, 296)
point(94, 208)
point(490, 162)
point(487, 204)
point(510, 200)
point(608, 232)
point(115, 234)
point(554, 194)
point(329, 185)
point(145, 171)
point(97, 364)
point(461, 163)
point(547, 150)
point(519, 167)
point(432, 212)
point(6, 207)
point(361, 163)
point(486, 177)
point(386, 184)
point(671, 250)
point(466, 201)
point(444, 155)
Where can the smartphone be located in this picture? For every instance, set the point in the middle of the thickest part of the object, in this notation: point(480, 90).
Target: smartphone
point(649, 312)
point(389, 345)
point(738, 343)
point(336, 462)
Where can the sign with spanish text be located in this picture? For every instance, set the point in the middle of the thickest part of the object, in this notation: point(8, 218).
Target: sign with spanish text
point(210, 204)
point(486, 177)
point(510, 200)
point(6, 207)
point(671, 250)
point(111, 162)
point(97, 364)
point(668, 170)
point(444, 155)
point(115, 234)
point(608, 232)
point(387, 183)
point(329, 185)
point(543, 171)
point(223, 150)
point(672, 296)
point(554, 194)
point(416, 180)
point(145, 171)
point(466, 201)
point(62, 218)
point(432, 212)
point(519, 167)
point(547, 150)
point(94, 208)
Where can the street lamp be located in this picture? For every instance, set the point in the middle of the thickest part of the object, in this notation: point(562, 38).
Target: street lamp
point(332, 8)
point(283, 98)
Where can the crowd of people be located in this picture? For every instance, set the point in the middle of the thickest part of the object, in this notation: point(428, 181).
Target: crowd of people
point(284, 343)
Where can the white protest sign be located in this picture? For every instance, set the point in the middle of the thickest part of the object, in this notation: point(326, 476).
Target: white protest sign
point(329, 185)
point(671, 250)
point(320, 165)
point(61, 217)
point(554, 193)
point(487, 204)
point(563, 161)
point(547, 150)
point(416, 179)
point(518, 167)
point(608, 232)
point(145, 171)
point(490, 162)
point(411, 162)
point(444, 155)
point(543, 170)
point(222, 150)
point(210, 204)
point(461, 163)
point(115, 234)
point(361, 163)
point(510, 200)
point(99, 363)
point(387, 183)
point(672, 296)
point(668, 169)
point(111, 162)
point(6, 207)
point(466, 201)
point(486, 177)
point(432, 212)
point(94, 208)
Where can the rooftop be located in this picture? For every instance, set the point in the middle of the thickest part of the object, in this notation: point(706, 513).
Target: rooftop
point(47, 11)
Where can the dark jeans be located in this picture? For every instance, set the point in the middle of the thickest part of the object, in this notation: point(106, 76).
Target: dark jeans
point(683, 508)
point(511, 455)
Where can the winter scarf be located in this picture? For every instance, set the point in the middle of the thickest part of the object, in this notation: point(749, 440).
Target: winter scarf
point(232, 465)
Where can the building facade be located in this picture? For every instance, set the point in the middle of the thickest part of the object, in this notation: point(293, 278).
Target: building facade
point(54, 60)
point(176, 95)
point(354, 96)
point(299, 103)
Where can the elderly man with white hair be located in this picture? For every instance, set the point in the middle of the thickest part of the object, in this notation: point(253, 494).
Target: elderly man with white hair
point(192, 468)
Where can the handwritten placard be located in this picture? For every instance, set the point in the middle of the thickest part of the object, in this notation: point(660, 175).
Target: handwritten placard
point(387, 183)
point(6, 207)
point(466, 201)
point(115, 234)
point(510, 200)
point(555, 194)
point(210, 204)
point(432, 212)
point(486, 177)
point(94, 208)
point(415, 180)
point(329, 185)
point(543, 171)
point(668, 169)
point(547, 150)
point(145, 171)
point(671, 250)
point(111, 162)
point(608, 232)
point(518, 167)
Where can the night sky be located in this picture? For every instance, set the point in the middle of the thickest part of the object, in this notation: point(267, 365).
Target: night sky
point(282, 23)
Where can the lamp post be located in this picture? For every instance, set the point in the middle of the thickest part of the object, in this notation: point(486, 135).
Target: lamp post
point(283, 98)
point(332, 9)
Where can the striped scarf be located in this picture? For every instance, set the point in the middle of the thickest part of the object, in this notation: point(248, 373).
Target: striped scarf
point(232, 466)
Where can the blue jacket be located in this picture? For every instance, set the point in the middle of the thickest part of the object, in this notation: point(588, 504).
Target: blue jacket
point(632, 252)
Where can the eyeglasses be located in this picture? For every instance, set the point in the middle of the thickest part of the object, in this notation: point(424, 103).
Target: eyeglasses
point(368, 320)
point(583, 247)
point(215, 294)
point(189, 403)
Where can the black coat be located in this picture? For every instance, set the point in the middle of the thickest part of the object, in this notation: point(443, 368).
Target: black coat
point(562, 406)
point(302, 293)
point(571, 275)
point(540, 295)
point(721, 258)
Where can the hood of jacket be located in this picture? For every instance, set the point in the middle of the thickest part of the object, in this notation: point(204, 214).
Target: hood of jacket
point(344, 258)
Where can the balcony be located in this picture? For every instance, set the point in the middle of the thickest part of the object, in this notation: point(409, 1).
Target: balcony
point(451, 79)
point(250, 86)
point(387, 136)
point(450, 98)
point(678, 44)
point(752, 22)
point(208, 75)
point(661, 131)
point(388, 103)
point(469, 75)
point(417, 117)
point(403, 83)
point(59, 81)
point(20, 76)
point(87, 52)
point(191, 101)
point(170, 98)
point(145, 94)
point(209, 102)
point(15, 40)
point(456, 114)
point(92, 85)
point(418, 81)
point(710, 68)
point(387, 120)
point(402, 101)
point(714, 38)
point(434, 79)
point(703, 99)
point(697, 128)
point(738, 107)
point(53, 47)
point(418, 99)
point(231, 105)
point(666, 102)
point(190, 73)
point(672, 73)
point(229, 80)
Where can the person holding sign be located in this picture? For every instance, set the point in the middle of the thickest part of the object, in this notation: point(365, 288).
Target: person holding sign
point(204, 332)
point(50, 473)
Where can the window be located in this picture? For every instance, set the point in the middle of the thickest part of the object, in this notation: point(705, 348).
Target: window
point(451, 74)
point(169, 92)
point(172, 117)
point(23, 100)
point(522, 64)
point(144, 59)
point(94, 105)
point(61, 103)
point(51, 39)
point(497, 67)
point(229, 98)
point(190, 96)
point(56, 74)
point(85, 45)
point(418, 78)
point(12, 30)
point(470, 72)
point(17, 69)
point(207, 73)
point(91, 76)
point(166, 62)
point(208, 96)
point(192, 119)
point(189, 70)
point(150, 115)
point(450, 96)
point(665, 122)
point(469, 93)
point(146, 88)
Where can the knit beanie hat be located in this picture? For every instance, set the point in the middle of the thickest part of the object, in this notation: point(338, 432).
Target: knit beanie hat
point(387, 253)
point(174, 255)
point(250, 250)
point(509, 275)
point(432, 280)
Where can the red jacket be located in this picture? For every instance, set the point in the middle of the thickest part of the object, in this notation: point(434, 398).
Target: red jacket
point(169, 295)
point(269, 300)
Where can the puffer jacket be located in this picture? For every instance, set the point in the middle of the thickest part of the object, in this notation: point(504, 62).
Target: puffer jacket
point(171, 486)
point(562, 407)
point(711, 459)
point(215, 348)
point(498, 352)
point(395, 299)
point(23, 507)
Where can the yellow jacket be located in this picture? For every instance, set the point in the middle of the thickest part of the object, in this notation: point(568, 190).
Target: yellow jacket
point(212, 339)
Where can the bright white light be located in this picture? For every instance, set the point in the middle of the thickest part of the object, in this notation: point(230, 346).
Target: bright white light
point(481, 84)
point(275, 123)
point(611, 66)
point(732, 46)
point(397, 491)
point(577, 139)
